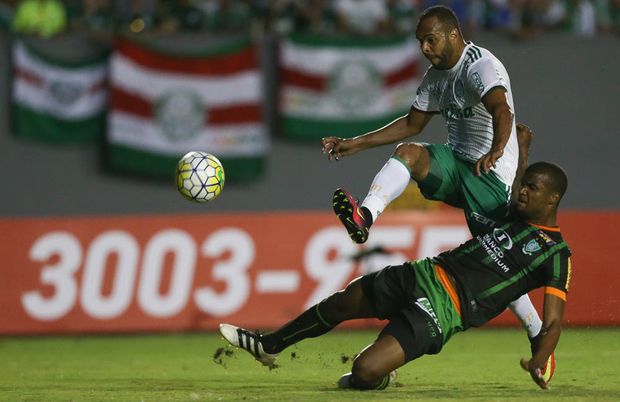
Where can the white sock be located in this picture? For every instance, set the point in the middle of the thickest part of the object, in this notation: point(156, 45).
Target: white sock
point(527, 314)
point(388, 184)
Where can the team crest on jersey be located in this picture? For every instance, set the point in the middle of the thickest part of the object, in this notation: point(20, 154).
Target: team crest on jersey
point(531, 247)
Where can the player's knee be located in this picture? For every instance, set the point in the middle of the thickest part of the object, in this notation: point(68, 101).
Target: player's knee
point(364, 369)
point(338, 307)
point(346, 304)
point(408, 152)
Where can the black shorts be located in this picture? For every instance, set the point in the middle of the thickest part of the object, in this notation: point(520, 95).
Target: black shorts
point(393, 292)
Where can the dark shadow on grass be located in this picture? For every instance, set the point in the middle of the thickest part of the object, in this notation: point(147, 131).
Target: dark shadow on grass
point(495, 391)
point(413, 391)
point(479, 391)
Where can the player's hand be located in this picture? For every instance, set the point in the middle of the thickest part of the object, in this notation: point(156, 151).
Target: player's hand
point(524, 136)
point(487, 162)
point(535, 371)
point(336, 147)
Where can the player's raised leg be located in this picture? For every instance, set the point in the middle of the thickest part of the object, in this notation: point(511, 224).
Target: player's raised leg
point(410, 160)
point(347, 304)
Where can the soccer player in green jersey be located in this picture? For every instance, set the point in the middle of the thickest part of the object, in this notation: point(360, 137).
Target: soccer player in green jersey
point(428, 301)
point(471, 89)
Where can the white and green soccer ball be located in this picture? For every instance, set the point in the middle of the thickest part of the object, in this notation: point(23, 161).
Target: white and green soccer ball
point(199, 176)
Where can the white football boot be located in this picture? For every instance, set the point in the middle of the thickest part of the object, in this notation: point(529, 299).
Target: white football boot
point(248, 340)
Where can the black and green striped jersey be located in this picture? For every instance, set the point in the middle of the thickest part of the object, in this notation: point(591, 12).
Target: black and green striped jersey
point(495, 268)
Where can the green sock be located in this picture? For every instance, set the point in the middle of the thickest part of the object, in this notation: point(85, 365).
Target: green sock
point(309, 324)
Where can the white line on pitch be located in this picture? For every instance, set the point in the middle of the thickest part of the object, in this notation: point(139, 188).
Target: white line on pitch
point(277, 281)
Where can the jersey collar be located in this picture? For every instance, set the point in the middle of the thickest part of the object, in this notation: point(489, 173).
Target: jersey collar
point(460, 61)
point(547, 228)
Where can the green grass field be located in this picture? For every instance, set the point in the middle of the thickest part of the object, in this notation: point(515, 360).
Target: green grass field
point(477, 365)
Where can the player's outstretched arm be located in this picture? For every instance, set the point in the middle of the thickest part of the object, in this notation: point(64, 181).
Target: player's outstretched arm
point(496, 103)
point(406, 126)
point(524, 139)
point(552, 326)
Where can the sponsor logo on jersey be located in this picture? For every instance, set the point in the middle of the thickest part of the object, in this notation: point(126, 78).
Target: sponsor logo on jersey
point(478, 82)
point(500, 237)
point(453, 112)
point(425, 305)
point(482, 219)
point(531, 247)
point(494, 250)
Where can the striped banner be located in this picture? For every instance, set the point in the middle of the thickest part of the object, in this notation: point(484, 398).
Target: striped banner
point(55, 100)
point(163, 106)
point(345, 86)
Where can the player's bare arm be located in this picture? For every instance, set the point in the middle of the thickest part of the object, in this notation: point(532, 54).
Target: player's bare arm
point(496, 103)
point(553, 311)
point(406, 126)
point(524, 139)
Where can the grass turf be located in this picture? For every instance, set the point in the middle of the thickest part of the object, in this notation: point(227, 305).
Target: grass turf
point(477, 365)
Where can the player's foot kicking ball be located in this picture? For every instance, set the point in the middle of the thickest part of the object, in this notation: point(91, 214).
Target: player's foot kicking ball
point(549, 368)
point(248, 340)
point(345, 381)
point(351, 215)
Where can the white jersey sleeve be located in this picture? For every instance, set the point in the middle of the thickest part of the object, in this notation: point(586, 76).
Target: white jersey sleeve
point(483, 75)
point(425, 99)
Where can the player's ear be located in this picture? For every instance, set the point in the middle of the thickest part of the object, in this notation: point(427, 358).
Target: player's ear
point(454, 33)
point(554, 198)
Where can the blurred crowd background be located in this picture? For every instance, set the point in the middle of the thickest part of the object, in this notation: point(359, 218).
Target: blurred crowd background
point(520, 19)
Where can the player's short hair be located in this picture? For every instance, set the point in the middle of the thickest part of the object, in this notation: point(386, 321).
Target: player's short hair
point(556, 176)
point(444, 15)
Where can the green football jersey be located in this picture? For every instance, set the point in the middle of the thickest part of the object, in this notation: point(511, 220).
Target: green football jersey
point(497, 267)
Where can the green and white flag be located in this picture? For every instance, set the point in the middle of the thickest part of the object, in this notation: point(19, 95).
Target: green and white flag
point(164, 105)
point(58, 101)
point(345, 86)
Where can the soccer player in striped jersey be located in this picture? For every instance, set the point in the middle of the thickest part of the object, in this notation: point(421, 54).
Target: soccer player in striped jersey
point(428, 301)
point(475, 170)
point(471, 89)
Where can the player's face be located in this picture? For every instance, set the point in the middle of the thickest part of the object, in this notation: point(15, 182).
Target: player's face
point(435, 42)
point(535, 197)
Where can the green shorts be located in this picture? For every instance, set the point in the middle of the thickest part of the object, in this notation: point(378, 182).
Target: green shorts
point(485, 198)
point(413, 292)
